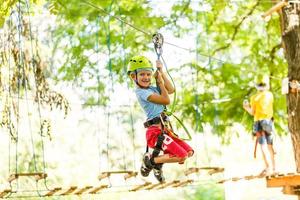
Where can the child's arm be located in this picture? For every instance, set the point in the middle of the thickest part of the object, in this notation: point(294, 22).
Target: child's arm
point(163, 97)
point(168, 85)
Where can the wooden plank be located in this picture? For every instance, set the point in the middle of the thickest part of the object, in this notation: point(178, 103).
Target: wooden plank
point(250, 177)
point(40, 176)
point(36, 175)
point(106, 174)
point(12, 177)
point(139, 187)
point(4, 193)
point(236, 178)
point(103, 175)
point(129, 175)
point(216, 170)
point(183, 183)
point(97, 189)
point(280, 181)
point(69, 191)
point(224, 180)
point(152, 186)
point(212, 170)
point(275, 8)
point(53, 191)
point(168, 184)
point(288, 190)
point(191, 170)
point(82, 190)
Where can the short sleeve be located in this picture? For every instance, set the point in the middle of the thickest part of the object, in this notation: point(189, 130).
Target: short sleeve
point(143, 94)
point(270, 97)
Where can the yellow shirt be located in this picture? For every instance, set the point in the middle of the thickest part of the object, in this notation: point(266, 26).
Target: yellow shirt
point(262, 105)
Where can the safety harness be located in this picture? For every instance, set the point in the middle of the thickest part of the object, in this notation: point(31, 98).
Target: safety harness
point(166, 128)
point(258, 136)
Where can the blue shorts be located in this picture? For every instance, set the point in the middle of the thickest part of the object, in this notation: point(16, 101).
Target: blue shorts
point(267, 126)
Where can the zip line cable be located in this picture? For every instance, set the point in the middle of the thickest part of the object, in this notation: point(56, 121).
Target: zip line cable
point(132, 26)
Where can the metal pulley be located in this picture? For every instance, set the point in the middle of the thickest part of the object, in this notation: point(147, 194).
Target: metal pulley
point(158, 41)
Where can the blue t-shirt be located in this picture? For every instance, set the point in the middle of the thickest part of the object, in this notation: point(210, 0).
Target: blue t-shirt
point(151, 109)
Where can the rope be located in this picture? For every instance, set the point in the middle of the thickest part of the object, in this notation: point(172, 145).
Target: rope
point(112, 86)
point(210, 68)
point(130, 109)
point(28, 114)
point(9, 93)
point(195, 82)
point(158, 43)
point(19, 60)
point(98, 100)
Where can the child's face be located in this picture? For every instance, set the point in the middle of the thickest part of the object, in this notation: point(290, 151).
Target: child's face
point(144, 78)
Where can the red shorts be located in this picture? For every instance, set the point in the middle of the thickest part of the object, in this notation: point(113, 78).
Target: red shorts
point(171, 145)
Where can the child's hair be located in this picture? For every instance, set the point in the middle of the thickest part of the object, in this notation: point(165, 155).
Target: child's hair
point(262, 82)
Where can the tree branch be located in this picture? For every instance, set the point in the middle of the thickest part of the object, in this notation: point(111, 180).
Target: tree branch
point(180, 14)
point(273, 51)
point(236, 29)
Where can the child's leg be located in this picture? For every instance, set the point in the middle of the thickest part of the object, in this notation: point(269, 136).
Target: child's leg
point(185, 146)
point(166, 158)
point(174, 152)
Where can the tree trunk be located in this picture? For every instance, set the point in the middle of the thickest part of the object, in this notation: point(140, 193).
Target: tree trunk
point(291, 40)
point(291, 44)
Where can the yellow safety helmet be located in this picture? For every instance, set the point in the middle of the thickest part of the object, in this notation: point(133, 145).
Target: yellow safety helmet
point(139, 62)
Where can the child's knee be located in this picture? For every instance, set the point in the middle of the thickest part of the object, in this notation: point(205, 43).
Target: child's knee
point(190, 153)
point(182, 159)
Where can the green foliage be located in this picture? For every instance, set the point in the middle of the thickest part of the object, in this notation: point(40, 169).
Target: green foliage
point(233, 44)
point(207, 192)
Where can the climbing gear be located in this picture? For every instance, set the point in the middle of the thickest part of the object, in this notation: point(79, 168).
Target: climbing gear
point(158, 173)
point(158, 41)
point(146, 165)
point(155, 120)
point(139, 62)
point(158, 146)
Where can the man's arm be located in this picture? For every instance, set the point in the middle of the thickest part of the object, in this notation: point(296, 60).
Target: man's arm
point(248, 108)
